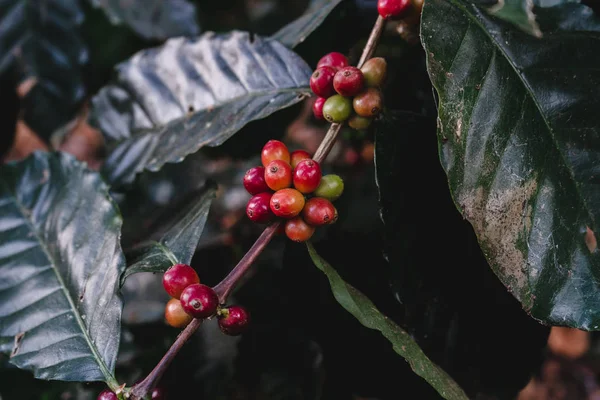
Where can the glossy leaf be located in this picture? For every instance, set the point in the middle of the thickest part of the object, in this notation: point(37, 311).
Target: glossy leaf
point(297, 31)
point(60, 261)
point(368, 315)
point(40, 41)
point(170, 101)
point(178, 243)
point(519, 140)
point(153, 19)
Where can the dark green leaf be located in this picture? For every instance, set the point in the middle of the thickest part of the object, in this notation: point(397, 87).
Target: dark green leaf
point(178, 243)
point(60, 261)
point(152, 19)
point(296, 32)
point(517, 12)
point(169, 102)
point(368, 315)
point(41, 41)
point(519, 141)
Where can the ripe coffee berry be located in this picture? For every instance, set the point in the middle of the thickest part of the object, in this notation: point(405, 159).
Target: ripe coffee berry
point(274, 150)
point(359, 123)
point(321, 81)
point(158, 394)
point(368, 103)
point(348, 81)
point(177, 278)
point(298, 156)
point(200, 301)
point(318, 108)
point(334, 59)
point(392, 8)
point(175, 315)
point(330, 188)
point(307, 176)
point(337, 108)
point(278, 175)
point(233, 320)
point(297, 230)
point(107, 395)
point(258, 209)
point(319, 211)
point(375, 71)
point(254, 181)
point(287, 203)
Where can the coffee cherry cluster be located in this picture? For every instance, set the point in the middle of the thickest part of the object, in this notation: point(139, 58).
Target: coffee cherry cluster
point(348, 93)
point(393, 8)
point(291, 186)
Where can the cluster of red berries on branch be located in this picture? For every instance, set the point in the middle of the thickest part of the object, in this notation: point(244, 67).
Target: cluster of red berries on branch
point(291, 186)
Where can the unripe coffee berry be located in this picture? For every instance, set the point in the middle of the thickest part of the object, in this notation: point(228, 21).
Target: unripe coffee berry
point(319, 211)
point(359, 123)
point(233, 320)
point(258, 208)
point(107, 395)
point(330, 188)
point(254, 181)
point(374, 71)
point(307, 176)
point(278, 175)
point(287, 203)
point(297, 156)
point(318, 108)
point(392, 8)
point(337, 108)
point(333, 59)
point(274, 150)
point(321, 81)
point(200, 301)
point(297, 230)
point(175, 315)
point(177, 278)
point(348, 81)
point(368, 103)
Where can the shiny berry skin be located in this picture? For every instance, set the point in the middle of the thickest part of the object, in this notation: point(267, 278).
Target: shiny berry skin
point(297, 156)
point(177, 278)
point(321, 81)
point(368, 103)
point(374, 71)
point(287, 203)
point(392, 8)
point(330, 188)
point(307, 176)
point(359, 123)
point(233, 320)
point(334, 59)
point(107, 395)
point(278, 175)
point(319, 211)
point(337, 108)
point(274, 150)
point(348, 81)
point(298, 231)
point(200, 301)
point(258, 209)
point(318, 108)
point(254, 181)
point(158, 394)
point(175, 315)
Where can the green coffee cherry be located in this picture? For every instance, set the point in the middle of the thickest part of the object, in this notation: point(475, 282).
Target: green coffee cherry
point(374, 71)
point(330, 188)
point(359, 123)
point(337, 108)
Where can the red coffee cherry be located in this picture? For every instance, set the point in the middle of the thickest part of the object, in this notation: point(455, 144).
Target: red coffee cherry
point(200, 301)
point(107, 395)
point(254, 181)
point(258, 208)
point(287, 203)
point(233, 320)
point(274, 150)
point(319, 211)
point(297, 156)
point(348, 81)
point(177, 278)
point(318, 108)
point(368, 103)
point(175, 315)
point(321, 81)
point(307, 176)
point(158, 394)
point(278, 175)
point(334, 59)
point(297, 230)
point(392, 8)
